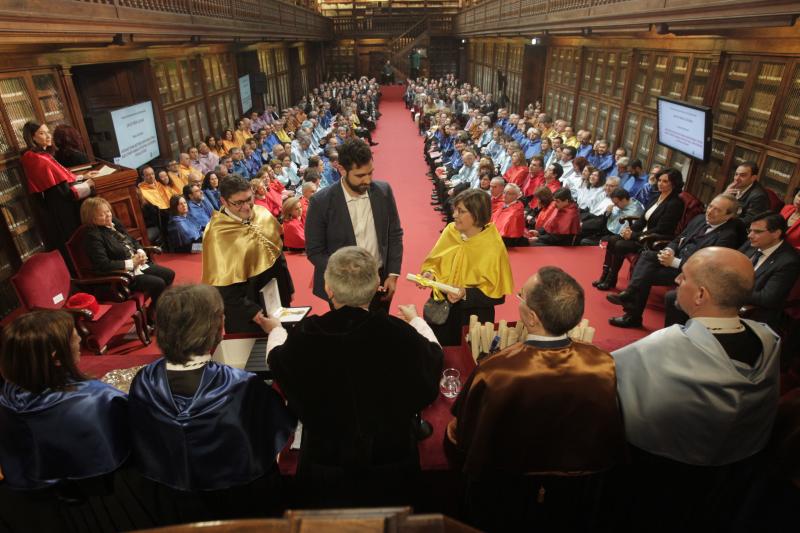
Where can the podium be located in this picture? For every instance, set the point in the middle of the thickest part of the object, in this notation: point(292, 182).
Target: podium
point(120, 188)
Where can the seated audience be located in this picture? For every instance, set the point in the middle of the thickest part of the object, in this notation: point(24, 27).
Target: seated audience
point(496, 192)
point(470, 256)
point(358, 448)
point(509, 218)
point(207, 159)
point(200, 209)
point(307, 190)
point(265, 196)
point(635, 180)
point(610, 223)
point(591, 192)
point(791, 213)
point(172, 183)
point(545, 207)
point(294, 237)
point(211, 189)
point(563, 224)
point(517, 173)
point(661, 217)
point(518, 472)
point(110, 249)
point(699, 400)
point(206, 433)
point(153, 192)
point(182, 231)
point(753, 199)
point(717, 227)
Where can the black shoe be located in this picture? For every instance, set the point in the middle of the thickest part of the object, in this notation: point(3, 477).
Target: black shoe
point(620, 298)
point(607, 285)
point(625, 321)
point(602, 277)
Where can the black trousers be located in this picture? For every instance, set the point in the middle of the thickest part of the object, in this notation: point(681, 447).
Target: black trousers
point(153, 281)
point(647, 273)
point(617, 249)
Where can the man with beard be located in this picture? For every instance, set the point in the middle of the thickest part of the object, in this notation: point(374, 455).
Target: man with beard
point(356, 212)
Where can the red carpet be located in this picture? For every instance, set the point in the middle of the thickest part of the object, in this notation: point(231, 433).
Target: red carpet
point(399, 161)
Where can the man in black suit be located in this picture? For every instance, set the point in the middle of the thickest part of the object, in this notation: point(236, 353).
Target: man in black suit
point(356, 211)
point(356, 378)
point(717, 227)
point(753, 199)
point(777, 266)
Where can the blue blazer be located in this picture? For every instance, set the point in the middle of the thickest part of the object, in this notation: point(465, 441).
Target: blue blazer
point(328, 228)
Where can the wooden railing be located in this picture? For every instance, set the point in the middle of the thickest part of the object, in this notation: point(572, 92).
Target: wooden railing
point(387, 25)
point(246, 19)
point(498, 17)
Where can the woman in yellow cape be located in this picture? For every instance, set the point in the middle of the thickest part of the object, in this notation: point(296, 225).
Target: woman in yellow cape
point(470, 255)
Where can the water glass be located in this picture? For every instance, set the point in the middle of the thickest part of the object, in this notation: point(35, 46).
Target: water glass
point(450, 384)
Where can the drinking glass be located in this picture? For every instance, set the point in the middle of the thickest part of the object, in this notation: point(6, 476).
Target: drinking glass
point(450, 384)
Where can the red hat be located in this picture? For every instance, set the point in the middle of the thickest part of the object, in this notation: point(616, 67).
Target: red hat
point(83, 300)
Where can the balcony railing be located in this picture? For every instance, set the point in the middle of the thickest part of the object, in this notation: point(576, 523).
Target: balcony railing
point(246, 19)
point(515, 17)
point(387, 25)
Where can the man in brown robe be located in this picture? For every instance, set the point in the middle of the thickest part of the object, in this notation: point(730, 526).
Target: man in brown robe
point(538, 423)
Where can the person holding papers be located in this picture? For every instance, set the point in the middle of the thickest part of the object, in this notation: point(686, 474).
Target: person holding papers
point(241, 254)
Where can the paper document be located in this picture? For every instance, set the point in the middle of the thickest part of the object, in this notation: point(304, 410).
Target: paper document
point(105, 171)
point(425, 282)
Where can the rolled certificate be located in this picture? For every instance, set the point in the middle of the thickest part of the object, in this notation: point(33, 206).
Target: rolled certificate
point(475, 340)
point(502, 330)
point(519, 329)
point(425, 282)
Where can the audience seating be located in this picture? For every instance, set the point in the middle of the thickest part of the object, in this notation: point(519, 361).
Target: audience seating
point(43, 282)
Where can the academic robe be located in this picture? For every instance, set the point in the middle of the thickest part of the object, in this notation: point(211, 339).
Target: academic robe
point(270, 203)
point(294, 234)
point(54, 436)
point(510, 220)
point(793, 234)
point(356, 379)
point(550, 408)
point(182, 231)
point(564, 221)
point(685, 399)
point(155, 194)
point(544, 215)
point(516, 174)
point(228, 434)
point(239, 259)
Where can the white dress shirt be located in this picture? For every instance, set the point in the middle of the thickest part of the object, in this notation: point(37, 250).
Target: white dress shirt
point(766, 253)
point(360, 210)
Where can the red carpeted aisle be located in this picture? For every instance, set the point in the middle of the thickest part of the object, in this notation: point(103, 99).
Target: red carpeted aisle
point(399, 160)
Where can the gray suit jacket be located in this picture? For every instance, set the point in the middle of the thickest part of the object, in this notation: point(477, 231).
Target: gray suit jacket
point(328, 228)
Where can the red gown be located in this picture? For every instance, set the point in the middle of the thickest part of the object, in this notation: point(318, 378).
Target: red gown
point(544, 214)
point(532, 183)
point(304, 203)
point(566, 221)
point(497, 203)
point(294, 234)
point(517, 175)
point(510, 220)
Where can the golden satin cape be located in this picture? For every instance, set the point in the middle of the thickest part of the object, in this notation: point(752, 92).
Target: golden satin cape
point(283, 136)
point(234, 252)
point(479, 262)
point(155, 194)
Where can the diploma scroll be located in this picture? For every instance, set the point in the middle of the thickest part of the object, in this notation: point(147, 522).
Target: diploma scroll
point(425, 282)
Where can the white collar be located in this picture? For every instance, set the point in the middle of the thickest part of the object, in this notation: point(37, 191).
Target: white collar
point(719, 325)
point(234, 217)
point(349, 197)
point(194, 362)
point(545, 338)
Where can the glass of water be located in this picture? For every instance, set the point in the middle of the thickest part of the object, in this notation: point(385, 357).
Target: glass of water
point(450, 384)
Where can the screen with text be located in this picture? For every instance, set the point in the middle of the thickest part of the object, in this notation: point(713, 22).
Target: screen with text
point(135, 128)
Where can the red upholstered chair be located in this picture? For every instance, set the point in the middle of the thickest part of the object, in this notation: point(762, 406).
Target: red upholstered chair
point(43, 282)
point(775, 202)
point(115, 286)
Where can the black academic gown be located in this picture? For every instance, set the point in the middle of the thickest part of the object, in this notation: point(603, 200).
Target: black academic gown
point(356, 379)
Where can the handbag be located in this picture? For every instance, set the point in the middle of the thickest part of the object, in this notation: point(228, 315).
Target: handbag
point(436, 311)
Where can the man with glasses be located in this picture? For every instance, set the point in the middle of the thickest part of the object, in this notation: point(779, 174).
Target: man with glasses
point(242, 252)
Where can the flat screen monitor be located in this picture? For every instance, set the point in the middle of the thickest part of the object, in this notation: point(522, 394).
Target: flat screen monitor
point(135, 131)
point(685, 127)
point(245, 93)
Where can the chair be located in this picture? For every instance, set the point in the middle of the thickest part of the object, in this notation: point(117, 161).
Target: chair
point(43, 282)
point(113, 288)
point(775, 202)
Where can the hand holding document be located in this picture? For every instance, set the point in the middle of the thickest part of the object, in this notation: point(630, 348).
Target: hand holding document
point(425, 282)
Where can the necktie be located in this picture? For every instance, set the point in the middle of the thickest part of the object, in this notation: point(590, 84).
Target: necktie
point(756, 257)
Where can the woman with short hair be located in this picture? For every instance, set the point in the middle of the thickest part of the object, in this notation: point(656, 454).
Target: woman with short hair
point(206, 433)
point(111, 249)
point(182, 231)
point(211, 189)
point(470, 255)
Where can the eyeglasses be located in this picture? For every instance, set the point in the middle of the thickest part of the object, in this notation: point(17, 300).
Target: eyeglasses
point(251, 200)
point(756, 231)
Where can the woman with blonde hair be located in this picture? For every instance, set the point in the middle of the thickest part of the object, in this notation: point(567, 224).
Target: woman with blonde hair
point(111, 249)
point(294, 230)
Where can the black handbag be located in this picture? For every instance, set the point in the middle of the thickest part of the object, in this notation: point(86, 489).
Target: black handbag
point(436, 311)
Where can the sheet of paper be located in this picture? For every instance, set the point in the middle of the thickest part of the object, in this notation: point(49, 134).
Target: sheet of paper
point(298, 437)
point(105, 170)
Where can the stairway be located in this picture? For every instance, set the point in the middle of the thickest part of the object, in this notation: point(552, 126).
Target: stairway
point(418, 35)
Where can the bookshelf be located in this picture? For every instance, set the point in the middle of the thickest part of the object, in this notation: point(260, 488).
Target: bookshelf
point(708, 174)
point(731, 93)
point(30, 95)
point(698, 81)
point(777, 172)
point(655, 82)
point(762, 98)
point(640, 79)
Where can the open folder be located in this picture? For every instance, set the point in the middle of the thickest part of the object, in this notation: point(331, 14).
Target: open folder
point(274, 309)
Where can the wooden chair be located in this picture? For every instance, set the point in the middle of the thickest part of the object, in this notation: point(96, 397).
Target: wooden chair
point(116, 284)
point(43, 282)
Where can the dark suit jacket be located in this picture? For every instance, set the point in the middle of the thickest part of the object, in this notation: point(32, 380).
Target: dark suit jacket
point(105, 251)
point(729, 235)
point(328, 228)
point(754, 202)
point(664, 219)
point(774, 281)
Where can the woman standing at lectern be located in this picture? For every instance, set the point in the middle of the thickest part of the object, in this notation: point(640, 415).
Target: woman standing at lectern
point(59, 190)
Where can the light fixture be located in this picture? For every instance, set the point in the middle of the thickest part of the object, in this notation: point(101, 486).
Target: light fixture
point(463, 41)
point(536, 41)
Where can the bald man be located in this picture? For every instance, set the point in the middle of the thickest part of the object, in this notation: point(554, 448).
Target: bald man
point(699, 400)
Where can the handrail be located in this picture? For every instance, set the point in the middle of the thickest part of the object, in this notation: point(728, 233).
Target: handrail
point(399, 42)
point(386, 25)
